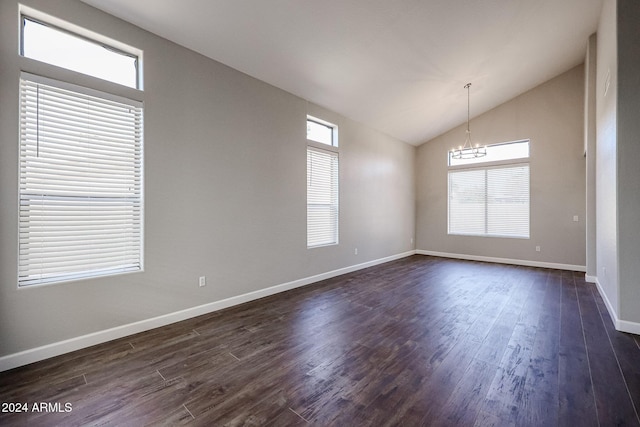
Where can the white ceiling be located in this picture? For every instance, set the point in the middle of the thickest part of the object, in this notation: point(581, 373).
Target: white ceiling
point(398, 66)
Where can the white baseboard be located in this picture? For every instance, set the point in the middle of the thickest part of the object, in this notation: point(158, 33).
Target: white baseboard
point(55, 349)
point(527, 263)
point(607, 303)
point(590, 279)
point(629, 327)
point(620, 325)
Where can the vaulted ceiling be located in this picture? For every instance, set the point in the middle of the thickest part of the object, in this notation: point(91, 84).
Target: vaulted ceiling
point(398, 66)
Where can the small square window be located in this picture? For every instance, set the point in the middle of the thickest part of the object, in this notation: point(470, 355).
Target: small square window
point(321, 132)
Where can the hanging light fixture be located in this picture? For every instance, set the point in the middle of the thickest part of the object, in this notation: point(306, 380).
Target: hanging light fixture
point(468, 151)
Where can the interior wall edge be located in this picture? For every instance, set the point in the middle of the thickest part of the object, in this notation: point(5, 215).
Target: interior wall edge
point(47, 351)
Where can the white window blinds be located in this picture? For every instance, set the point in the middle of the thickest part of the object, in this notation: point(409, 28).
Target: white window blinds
point(490, 201)
point(322, 197)
point(80, 183)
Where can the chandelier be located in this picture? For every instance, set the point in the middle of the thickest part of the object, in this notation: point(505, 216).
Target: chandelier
point(468, 151)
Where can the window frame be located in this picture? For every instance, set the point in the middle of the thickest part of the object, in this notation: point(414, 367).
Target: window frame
point(334, 133)
point(74, 203)
point(35, 16)
point(486, 166)
point(332, 150)
point(63, 78)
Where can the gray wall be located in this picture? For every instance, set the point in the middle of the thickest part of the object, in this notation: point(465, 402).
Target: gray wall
point(590, 78)
point(606, 152)
point(628, 171)
point(618, 156)
point(225, 195)
point(551, 115)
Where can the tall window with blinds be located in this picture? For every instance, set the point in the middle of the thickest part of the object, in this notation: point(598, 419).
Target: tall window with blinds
point(81, 171)
point(322, 197)
point(490, 201)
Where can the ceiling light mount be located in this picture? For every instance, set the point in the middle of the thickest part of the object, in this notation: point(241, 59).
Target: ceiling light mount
point(468, 151)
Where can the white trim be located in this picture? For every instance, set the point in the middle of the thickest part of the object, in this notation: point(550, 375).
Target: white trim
point(60, 84)
point(25, 357)
point(629, 327)
point(620, 325)
point(527, 263)
point(590, 279)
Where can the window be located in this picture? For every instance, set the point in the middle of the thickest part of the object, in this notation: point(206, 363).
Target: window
point(322, 184)
point(322, 132)
point(47, 43)
point(81, 156)
point(491, 200)
point(80, 183)
point(497, 152)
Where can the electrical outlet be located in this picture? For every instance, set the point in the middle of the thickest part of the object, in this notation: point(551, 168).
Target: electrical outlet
point(537, 248)
point(355, 251)
point(203, 281)
point(412, 240)
point(575, 218)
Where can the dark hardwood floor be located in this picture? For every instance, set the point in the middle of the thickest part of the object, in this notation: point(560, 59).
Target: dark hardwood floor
point(418, 341)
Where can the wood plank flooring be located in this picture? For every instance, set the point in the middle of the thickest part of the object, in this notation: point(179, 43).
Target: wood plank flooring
point(418, 341)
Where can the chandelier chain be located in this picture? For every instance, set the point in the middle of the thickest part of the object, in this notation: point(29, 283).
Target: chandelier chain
point(467, 86)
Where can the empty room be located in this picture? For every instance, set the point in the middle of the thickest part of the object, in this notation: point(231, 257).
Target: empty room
point(345, 213)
